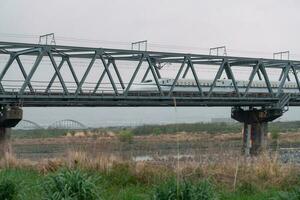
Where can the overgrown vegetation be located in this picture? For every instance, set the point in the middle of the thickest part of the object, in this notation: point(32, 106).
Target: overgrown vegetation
point(70, 184)
point(185, 190)
point(8, 190)
point(78, 176)
point(125, 136)
point(125, 133)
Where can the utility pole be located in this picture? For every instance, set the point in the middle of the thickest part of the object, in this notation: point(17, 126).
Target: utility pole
point(218, 51)
point(47, 39)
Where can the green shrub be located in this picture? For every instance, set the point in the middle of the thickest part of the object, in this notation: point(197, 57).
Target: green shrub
point(173, 190)
point(125, 136)
point(204, 190)
point(275, 134)
point(122, 175)
point(70, 184)
point(8, 190)
point(294, 194)
point(247, 188)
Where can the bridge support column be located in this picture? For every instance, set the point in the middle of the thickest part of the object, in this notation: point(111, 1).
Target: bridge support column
point(9, 117)
point(255, 127)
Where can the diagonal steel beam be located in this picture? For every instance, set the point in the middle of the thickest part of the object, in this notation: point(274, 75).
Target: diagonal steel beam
point(157, 71)
point(190, 64)
point(284, 77)
point(146, 74)
point(154, 74)
point(118, 73)
point(101, 78)
point(33, 69)
point(259, 75)
point(3, 72)
point(177, 76)
point(296, 76)
point(109, 74)
point(281, 75)
point(24, 73)
point(57, 72)
point(54, 75)
point(79, 88)
point(251, 78)
point(72, 72)
point(134, 74)
point(218, 75)
point(231, 76)
point(6, 67)
point(186, 71)
point(265, 75)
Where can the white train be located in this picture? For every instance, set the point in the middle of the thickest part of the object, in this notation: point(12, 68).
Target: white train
point(222, 85)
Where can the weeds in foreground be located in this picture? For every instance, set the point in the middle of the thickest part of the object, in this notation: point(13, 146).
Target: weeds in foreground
point(173, 190)
point(8, 190)
point(70, 184)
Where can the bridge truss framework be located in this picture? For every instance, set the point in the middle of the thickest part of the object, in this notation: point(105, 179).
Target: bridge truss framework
point(120, 94)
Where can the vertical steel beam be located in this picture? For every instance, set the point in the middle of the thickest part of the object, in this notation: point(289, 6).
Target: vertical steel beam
point(296, 76)
point(24, 73)
point(79, 88)
point(33, 69)
point(55, 74)
point(190, 63)
point(134, 74)
point(286, 72)
point(251, 78)
point(177, 76)
point(109, 74)
point(118, 73)
point(154, 74)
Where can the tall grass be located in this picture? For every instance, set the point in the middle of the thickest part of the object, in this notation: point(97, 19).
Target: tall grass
point(8, 190)
point(70, 184)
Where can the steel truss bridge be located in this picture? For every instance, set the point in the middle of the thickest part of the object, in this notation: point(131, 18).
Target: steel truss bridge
point(52, 89)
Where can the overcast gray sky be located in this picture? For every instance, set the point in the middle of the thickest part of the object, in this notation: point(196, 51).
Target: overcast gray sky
point(249, 28)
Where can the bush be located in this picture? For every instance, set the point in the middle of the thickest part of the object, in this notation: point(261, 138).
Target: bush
point(204, 190)
point(69, 184)
point(275, 134)
point(247, 188)
point(172, 190)
point(122, 175)
point(125, 136)
point(8, 190)
point(294, 194)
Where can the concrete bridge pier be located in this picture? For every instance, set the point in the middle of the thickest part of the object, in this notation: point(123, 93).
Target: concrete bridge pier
point(9, 117)
point(255, 127)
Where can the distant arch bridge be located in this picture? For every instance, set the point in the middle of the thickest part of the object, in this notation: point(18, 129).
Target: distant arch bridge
point(60, 124)
point(68, 124)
